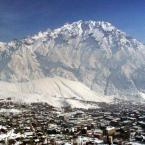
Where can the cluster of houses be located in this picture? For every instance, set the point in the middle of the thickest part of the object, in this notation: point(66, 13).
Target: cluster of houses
point(122, 123)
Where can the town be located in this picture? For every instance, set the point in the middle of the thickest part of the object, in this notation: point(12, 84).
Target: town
point(121, 123)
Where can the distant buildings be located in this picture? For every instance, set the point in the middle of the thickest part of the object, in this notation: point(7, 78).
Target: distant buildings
point(41, 124)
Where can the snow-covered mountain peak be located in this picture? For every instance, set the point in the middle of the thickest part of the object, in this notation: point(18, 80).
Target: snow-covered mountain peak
point(83, 26)
point(90, 24)
point(78, 28)
point(95, 53)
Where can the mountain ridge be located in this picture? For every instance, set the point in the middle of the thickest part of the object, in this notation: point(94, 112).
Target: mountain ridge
point(95, 53)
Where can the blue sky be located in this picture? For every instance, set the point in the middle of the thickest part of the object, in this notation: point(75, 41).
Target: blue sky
point(19, 18)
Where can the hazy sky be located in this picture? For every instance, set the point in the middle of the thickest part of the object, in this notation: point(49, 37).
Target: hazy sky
point(19, 18)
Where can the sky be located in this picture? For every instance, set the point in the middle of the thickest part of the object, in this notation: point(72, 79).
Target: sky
point(20, 18)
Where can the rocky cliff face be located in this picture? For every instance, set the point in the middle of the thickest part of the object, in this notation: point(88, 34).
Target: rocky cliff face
point(94, 53)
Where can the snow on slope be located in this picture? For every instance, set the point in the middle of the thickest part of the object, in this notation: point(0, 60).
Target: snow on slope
point(55, 91)
point(97, 54)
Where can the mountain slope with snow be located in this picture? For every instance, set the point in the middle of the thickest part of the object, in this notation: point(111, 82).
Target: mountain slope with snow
point(57, 91)
point(95, 53)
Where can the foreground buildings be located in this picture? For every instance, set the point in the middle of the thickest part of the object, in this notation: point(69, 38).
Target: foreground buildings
point(122, 123)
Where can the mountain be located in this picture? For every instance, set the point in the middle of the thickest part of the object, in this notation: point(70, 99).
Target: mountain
point(56, 91)
point(96, 54)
